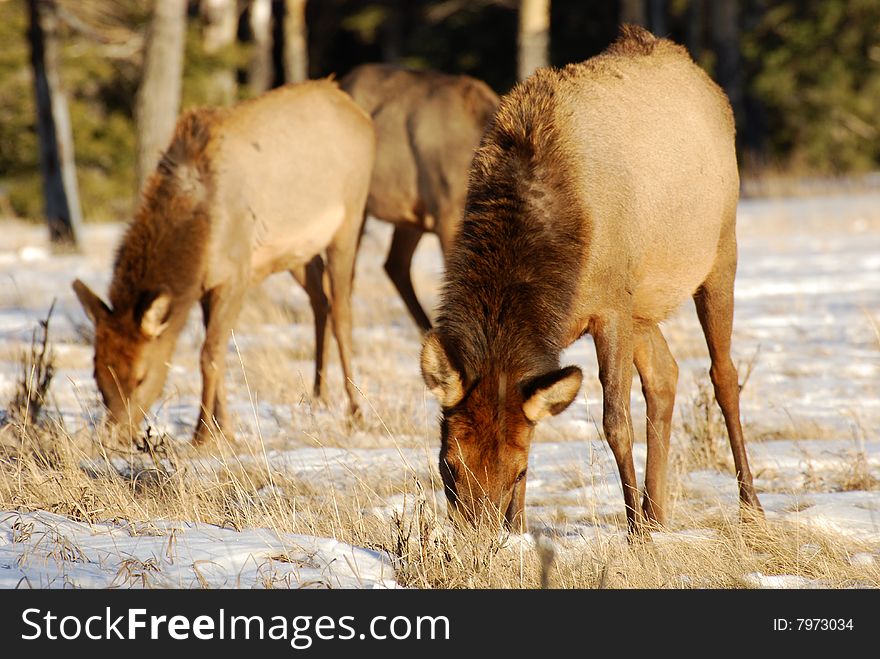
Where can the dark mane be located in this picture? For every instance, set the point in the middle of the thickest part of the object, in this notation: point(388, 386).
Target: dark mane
point(164, 245)
point(635, 41)
point(519, 249)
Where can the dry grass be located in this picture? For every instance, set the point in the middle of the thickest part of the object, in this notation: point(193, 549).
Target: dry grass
point(726, 559)
point(45, 468)
point(37, 371)
point(855, 474)
point(704, 432)
point(706, 444)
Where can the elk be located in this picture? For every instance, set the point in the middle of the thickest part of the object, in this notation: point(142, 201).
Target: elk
point(262, 187)
point(602, 195)
point(428, 125)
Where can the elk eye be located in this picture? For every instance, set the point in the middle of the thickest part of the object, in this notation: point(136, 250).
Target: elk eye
point(522, 475)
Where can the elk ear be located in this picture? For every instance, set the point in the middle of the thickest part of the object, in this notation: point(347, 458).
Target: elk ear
point(152, 311)
point(94, 306)
point(441, 377)
point(549, 394)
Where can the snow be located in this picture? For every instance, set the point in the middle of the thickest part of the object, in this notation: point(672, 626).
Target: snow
point(42, 550)
point(758, 580)
point(807, 314)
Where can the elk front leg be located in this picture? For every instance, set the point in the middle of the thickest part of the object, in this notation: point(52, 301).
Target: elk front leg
point(220, 307)
point(614, 351)
point(341, 254)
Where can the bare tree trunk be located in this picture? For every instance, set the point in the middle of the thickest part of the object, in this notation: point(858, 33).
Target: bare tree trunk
point(296, 50)
point(158, 101)
point(220, 18)
point(534, 36)
point(695, 28)
point(658, 17)
point(725, 35)
point(57, 163)
point(260, 73)
point(633, 11)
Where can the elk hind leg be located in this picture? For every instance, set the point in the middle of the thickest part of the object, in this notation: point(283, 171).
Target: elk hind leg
point(398, 266)
point(311, 277)
point(714, 303)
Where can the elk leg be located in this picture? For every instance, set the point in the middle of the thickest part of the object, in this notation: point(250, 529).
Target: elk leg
point(218, 409)
point(614, 351)
point(341, 255)
point(311, 278)
point(714, 303)
point(220, 307)
point(398, 264)
point(659, 375)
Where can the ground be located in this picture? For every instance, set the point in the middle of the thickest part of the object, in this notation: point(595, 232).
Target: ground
point(308, 499)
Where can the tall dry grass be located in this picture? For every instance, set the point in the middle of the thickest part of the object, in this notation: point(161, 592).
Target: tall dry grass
point(45, 468)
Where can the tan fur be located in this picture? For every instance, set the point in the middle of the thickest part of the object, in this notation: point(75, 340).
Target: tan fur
point(428, 125)
point(240, 193)
point(602, 195)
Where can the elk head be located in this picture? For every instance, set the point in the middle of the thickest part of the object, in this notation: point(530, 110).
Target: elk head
point(486, 431)
point(132, 350)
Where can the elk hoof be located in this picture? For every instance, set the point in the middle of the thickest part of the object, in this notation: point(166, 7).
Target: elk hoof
point(204, 434)
point(356, 418)
point(750, 511)
point(640, 533)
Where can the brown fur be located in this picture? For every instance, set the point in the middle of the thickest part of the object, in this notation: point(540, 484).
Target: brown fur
point(428, 125)
point(178, 190)
point(240, 193)
point(521, 317)
point(601, 196)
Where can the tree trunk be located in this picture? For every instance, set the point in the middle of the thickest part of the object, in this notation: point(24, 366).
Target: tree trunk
point(57, 163)
point(220, 19)
point(534, 36)
point(658, 17)
point(158, 101)
point(296, 53)
point(260, 73)
point(725, 35)
point(633, 11)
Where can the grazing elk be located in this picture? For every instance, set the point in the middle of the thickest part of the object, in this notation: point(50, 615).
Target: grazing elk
point(240, 193)
point(602, 195)
point(428, 125)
